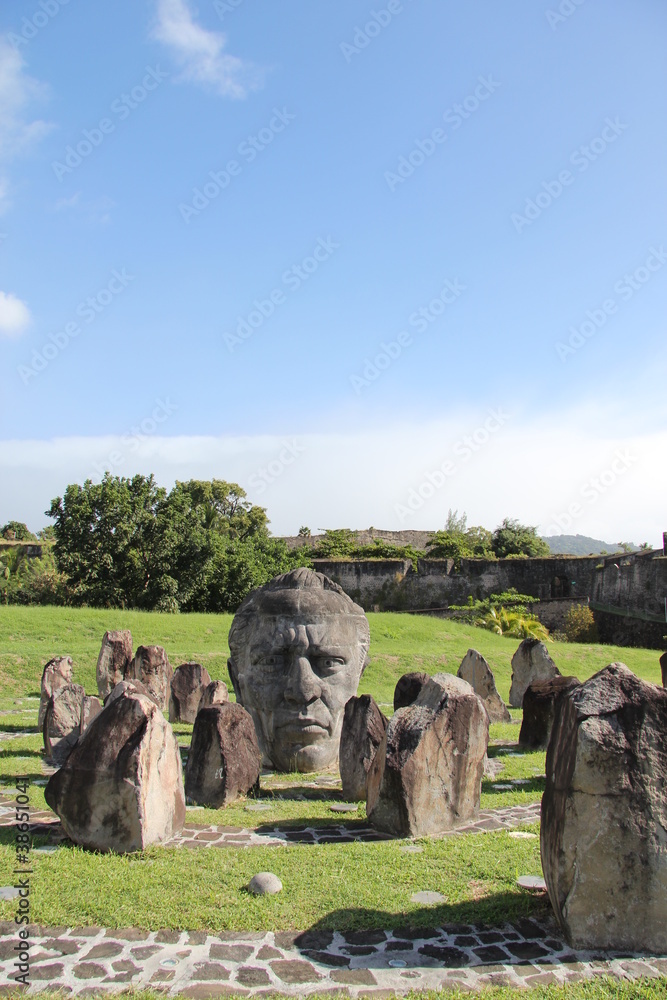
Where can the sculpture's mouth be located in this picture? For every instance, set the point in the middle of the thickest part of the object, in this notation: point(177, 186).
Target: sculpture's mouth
point(301, 732)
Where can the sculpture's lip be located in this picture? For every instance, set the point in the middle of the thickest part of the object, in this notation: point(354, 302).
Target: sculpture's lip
point(303, 730)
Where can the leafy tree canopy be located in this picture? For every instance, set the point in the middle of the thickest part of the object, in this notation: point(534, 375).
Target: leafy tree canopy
point(17, 531)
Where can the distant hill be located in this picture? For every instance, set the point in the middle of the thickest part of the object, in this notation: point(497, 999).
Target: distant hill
point(581, 545)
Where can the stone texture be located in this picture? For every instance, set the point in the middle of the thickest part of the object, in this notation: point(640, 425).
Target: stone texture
point(128, 687)
point(215, 693)
point(530, 664)
point(62, 721)
point(56, 674)
point(476, 671)
point(539, 706)
point(408, 688)
point(224, 759)
point(264, 884)
point(121, 788)
point(363, 729)
point(604, 813)
point(151, 666)
point(186, 690)
point(298, 647)
point(114, 660)
point(427, 774)
point(90, 709)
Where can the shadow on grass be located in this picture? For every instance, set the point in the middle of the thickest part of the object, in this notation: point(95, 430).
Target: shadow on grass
point(20, 753)
point(11, 727)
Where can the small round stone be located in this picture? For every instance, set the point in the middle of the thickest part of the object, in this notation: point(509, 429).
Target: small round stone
point(428, 897)
point(8, 892)
point(502, 788)
point(264, 884)
point(522, 835)
point(534, 882)
point(344, 807)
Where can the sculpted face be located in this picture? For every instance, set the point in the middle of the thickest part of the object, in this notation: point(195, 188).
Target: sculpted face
point(297, 657)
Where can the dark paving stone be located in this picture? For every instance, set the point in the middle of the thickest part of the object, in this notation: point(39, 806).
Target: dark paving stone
point(89, 970)
point(360, 949)
point(142, 952)
point(50, 972)
point(326, 958)
point(210, 970)
point(266, 952)
point(124, 965)
point(231, 952)
point(491, 953)
point(554, 944)
point(249, 975)
point(122, 977)
point(295, 971)
point(313, 939)
point(448, 956)
point(512, 936)
point(354, 977)
point(108, 949)
point(129, 934)
point(86, 931)
point(300, 838)
point(197, 937)
point(398, 946)
point(66, 946)
point(235, 936)
point(544, 979)
point(365, 937)
point(416, 933)
point(490, 937)
point(7, 949)
point(527, 950)
point(523, 969)
point(530, 929)
point(466, 941)
point(168, 937)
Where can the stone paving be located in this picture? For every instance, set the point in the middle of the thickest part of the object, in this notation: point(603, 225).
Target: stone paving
point(91, 960)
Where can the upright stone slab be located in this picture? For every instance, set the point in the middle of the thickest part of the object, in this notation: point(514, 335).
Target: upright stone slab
point(604, 813)
point(215, 693)
point(62, 722)
point(364, 727)
point(121, 788)
point(663, 669)
point(187, 688)
point(530, 664)
point(153, 669)
point(408, 688)
point(476, 671)
point(90, 709)
point(427, 773)
point(56, 674)
point(114, 660)
point(128, 687)
point(224, 760)
point(539, 708)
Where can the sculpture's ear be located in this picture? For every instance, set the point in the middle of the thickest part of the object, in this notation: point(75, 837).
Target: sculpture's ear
point(233, 676)
point(364, 665)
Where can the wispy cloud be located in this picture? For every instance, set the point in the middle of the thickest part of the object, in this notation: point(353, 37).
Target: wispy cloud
point(95, 212)
point(200, 52)
point(14, 315)
point(18, 131)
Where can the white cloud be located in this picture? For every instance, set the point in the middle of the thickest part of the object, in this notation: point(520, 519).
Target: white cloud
point(17, 91)
point(200, 52)
point(14, 315)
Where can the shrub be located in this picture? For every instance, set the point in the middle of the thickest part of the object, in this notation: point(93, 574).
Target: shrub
point(579, 625)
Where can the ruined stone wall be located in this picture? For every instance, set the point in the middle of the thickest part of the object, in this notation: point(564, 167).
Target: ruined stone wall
point(628, 599)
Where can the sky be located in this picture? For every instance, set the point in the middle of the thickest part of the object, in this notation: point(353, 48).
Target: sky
point(369, 261)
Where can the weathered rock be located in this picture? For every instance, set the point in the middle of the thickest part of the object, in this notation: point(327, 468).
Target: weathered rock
point(90, 709)
point(187, 688)
point(224, 759)
point(56, 674)
point(530, 664)
point(264, 884)
point(539, 706)
point(128, 687)
point(663, 669)
point(408, 688)
point(476, 671)
point(215, 693)
point(604, 813)
point(121, 788)
point(427, 773)
point(364, 727)
point(114, 660)
point(151, 666)
point(62, 722)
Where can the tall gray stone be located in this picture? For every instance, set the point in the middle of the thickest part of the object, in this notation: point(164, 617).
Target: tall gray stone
point(224, 759)
point(530, 664)
point(215, 693)
point(476, 671)
point(363, 729)
point(90, 709)
point(121, 788)
point(604, 813)
point(187, 687)
point(427, 773)
point(114, 660)
point(151, 666)
point(56, 674)
point(62, 721)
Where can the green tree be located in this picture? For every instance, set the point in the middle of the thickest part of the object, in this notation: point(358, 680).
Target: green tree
point(17, 531)
point(514, 539)
point(457, 541)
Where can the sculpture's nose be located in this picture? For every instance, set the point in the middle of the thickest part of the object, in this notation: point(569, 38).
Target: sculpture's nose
point(302, 683)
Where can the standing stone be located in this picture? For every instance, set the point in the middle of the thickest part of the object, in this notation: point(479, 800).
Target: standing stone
point(153, 669)
point(114, 660)
point(187, 688)
point(408, 688)
point(121, 788)
point(604, 813)
point(215, 693)
point(663, 669)
point(90, 709)
point(56, 674)
point(129, 687)
point(62, 721)
point(363, 729)
point(531, 663)
point(539, 707)
point(476, 671)
point(427, 773)
point(224, 760)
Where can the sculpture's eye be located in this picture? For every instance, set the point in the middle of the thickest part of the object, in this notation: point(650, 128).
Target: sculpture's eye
point(274, 660)
point(325, 665)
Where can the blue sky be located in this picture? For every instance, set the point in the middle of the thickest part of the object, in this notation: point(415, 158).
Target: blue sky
point(312, 247)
